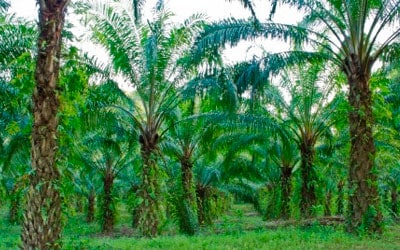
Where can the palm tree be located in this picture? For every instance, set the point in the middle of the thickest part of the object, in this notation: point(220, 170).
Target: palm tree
point(85, 183)
point(309, 117)
point(182, 144)
point(42, 220)
point(284, 154)
point(108, 154)
point(103, 145)
point(148, 57)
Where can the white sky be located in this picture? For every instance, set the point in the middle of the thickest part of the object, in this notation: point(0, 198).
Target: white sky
point(214, 9)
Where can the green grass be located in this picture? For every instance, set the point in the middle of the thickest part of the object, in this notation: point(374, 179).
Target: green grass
point(238, 229)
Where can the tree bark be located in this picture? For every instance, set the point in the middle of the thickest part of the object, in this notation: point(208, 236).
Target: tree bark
point(394, 200)
point(190, 221)
point(150, 209)
point(15, 201)
point(189, 192)
point(201, 206)
point(364, 210)
point(286, 186)
point(108, 212)
point(204, 204)
point(308, 197)
point(327, 204)
point(78, 204)
point(340, 199)
point(91, 206)
point(42, 218)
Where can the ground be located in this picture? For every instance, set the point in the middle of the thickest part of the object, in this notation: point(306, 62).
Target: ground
point(241, 228)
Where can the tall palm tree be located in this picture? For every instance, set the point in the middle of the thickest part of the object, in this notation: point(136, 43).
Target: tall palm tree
point(147, 56)
point(353, 36)
point(42, 220)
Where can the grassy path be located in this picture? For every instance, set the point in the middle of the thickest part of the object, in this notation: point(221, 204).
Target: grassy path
point(240, 229)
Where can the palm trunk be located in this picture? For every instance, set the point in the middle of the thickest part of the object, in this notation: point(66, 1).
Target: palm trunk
point(189, 220)
point(15, 201)
point(78, 204)
point(340, 199)
point(108, 212)
point(135, 215)
point(187, 181)
point(394, 201)
point(327, 204)
point(204, 204)
point(308, 197)
point(150, 209)
point(42, 219)
point(286, 186)
point(90, 208)
point(201, 204)
point(364, 210)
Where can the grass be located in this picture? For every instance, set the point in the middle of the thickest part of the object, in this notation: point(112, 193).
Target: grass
point(240, 229)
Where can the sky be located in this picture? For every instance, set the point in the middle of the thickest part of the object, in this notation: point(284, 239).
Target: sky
point(214, 9)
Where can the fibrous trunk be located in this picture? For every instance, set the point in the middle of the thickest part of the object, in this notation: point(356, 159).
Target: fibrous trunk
point(149, 211)
point(286, 186)
point(308, 197)
point(204, 204)
point(201, 203)
point(42, 218)
point(189, 216)
point(327, 204)
point(364, 211)
point(340, 198)
point(78, 204)
point(108, 212)
point(395, 200)
point(90, 207)
point(15, 201)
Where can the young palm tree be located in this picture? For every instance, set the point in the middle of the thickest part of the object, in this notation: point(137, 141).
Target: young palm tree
point(103, 146)
point(285, 155)
point(147, 56)
point(107, 153)
point(309, 116)
point(182, 144)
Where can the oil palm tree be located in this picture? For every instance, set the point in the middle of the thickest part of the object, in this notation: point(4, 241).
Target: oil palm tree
point(309, 117)
point(42, 220)
point(182, 145)
point(147, 56)
point(284, 154)
point(108, 154)
point(103, 147)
